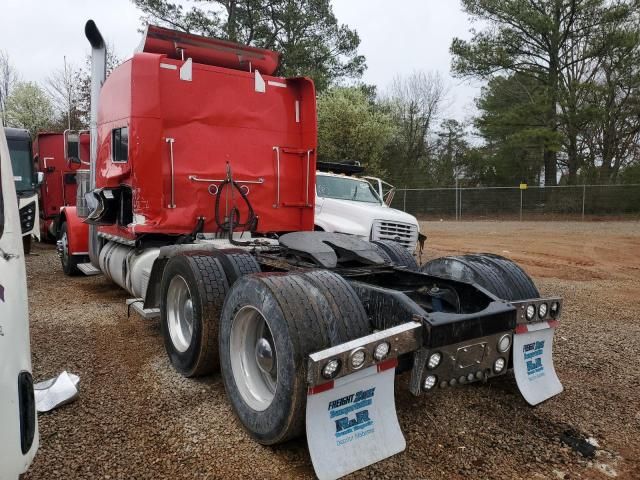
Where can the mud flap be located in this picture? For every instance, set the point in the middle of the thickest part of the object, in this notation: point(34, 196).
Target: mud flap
point(533, 362)
point(352, 421)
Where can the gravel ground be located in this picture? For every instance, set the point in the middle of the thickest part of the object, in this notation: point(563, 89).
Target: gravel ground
point(137, 418)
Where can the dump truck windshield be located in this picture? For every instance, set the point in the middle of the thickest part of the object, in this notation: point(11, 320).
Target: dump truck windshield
point(22, 163)
point(345, 188)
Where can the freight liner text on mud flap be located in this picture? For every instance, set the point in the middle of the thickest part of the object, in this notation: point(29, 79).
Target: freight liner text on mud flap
point(533, 362)
point(352, 421)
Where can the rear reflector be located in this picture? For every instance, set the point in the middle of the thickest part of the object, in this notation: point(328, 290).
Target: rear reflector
point(320, 388)
point(387, 364)
point(533, 327)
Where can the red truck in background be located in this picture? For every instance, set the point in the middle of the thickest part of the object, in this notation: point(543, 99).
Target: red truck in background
point(58, 156)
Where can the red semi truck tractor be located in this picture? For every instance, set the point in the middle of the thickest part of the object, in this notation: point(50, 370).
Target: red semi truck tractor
point(58, 156)
point(199, 200)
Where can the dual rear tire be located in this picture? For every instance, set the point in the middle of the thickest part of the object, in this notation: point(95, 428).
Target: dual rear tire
point(258, 330)
point(499, 275)
point(300, 314)
point(396, 254)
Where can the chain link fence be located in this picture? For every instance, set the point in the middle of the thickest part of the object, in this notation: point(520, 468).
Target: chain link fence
point(512, 203)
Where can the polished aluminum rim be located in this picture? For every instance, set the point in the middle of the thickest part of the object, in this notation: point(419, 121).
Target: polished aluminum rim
point(65, 248)
point(180, 313)
point(253, 358)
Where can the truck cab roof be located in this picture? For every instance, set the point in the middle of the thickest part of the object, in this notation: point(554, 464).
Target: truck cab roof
point(17, 133)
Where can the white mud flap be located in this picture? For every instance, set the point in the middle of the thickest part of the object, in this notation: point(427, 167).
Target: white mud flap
point(352, 422)
point(533, 362)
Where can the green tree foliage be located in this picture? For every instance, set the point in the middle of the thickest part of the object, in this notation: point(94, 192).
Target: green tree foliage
point(543, 39)
point(512, 121)
point(450, 152)
point(351, 127)
point(612, 135)
point(305, 32)
point(29, 107)
point(582, 57)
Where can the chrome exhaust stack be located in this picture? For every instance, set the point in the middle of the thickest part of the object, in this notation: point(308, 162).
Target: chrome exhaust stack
point(98, 75)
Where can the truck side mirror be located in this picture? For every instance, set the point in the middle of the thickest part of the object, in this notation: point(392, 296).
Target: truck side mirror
point(72, 147)
point(40, 178)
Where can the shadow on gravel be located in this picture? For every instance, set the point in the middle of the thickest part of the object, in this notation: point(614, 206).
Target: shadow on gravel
point(103, 288)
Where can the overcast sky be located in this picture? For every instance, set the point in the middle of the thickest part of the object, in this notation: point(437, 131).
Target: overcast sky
point(412, 35)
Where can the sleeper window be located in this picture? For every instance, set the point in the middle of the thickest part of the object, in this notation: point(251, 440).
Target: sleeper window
point(120, 144)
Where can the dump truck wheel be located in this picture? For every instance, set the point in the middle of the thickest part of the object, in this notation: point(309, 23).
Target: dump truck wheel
point(193, 289)
point(269, 325)
point(399, 255)
point(69, 262)
point(501, 276)
point(237, 264)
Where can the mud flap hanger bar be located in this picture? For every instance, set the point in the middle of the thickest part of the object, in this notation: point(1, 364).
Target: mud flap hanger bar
point(402, 339)
point(293, 151)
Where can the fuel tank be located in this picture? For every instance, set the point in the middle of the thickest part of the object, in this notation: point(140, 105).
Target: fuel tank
point(127, 267)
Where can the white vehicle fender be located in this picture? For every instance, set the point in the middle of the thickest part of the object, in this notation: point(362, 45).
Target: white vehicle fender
point(335, 223)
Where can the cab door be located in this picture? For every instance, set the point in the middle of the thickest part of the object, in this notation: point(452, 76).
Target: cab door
point(18, 420)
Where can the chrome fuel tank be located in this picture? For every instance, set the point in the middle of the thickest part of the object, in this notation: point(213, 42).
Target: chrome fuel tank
point(127, 267)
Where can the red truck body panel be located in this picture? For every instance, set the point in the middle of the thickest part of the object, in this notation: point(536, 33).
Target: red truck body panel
point(77, 231)
point(220, 115)
point(59, 186)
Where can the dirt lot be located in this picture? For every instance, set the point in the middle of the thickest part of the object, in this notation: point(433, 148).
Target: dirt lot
point(137, 418)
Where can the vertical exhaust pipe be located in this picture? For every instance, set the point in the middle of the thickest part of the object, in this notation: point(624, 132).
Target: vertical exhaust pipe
point(98, 74)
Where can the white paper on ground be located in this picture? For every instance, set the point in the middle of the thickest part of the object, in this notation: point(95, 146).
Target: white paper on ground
point(55, 392)
point(354, 424)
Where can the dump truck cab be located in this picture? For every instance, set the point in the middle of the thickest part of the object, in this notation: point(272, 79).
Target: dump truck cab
point(351, 204)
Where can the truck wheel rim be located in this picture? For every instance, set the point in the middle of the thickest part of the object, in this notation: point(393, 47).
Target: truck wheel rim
point(180, 313)
point(253, 358)
point(65, 248)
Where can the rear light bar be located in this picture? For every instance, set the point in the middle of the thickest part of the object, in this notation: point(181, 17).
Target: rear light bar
point(545, 310)
point(402, 339)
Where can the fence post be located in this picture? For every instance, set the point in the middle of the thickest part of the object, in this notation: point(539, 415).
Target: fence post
point(456, 198)
point(460, 205)
point(404, 201)
point(584, 194)
point(521, 190)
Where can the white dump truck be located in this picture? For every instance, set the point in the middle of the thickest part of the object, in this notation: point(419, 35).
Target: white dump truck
point(346, 203)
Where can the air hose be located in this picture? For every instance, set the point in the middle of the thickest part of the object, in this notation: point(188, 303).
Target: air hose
point(233, 219)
